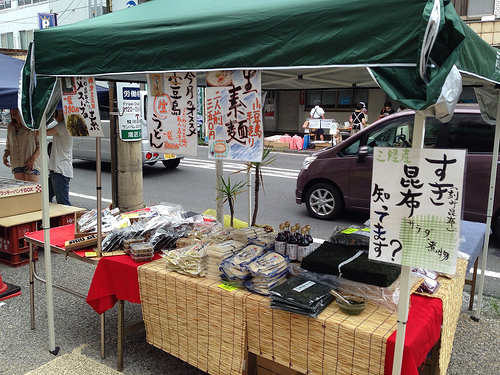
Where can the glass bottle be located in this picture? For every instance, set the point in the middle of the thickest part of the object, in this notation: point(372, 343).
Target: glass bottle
point(303, 245)
point(280, 241)
point(310, 238)
point(287, 230)
point(292, 245)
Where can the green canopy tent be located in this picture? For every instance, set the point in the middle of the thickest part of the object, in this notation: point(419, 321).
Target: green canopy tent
point(407, 47)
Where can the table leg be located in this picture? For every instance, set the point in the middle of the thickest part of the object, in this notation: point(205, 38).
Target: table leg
point(103, 336)
point(473, 285)
point(121, 307)
point(32, 286)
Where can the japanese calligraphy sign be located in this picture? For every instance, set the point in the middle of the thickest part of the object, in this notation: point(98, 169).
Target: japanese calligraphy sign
point(129, 107)
point(80, 107)
point(171, 113)
point(416, 203)
point(234, 115)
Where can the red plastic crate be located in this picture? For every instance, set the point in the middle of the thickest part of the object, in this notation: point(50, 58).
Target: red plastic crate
point(12, 238)
point(17, 260)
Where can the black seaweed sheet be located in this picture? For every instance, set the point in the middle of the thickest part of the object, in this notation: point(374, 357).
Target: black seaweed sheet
point(301, 295)
point(327, 257)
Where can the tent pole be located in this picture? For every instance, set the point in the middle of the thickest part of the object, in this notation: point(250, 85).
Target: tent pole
point(46, 233)
point(405, 286)
point(98, 194)
point(491, 198)
point(249, 187)
point(219, 169)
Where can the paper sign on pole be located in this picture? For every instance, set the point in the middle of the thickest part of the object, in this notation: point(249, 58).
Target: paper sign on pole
point(80, 106)
point(171, 113)
point(234, 115)
point(416, 203)
point(129, 107)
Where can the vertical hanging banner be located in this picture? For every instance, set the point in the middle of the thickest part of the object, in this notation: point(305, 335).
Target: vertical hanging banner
point(80, 107)
point(234, 115)
point(129, 106)
point(416, 203)
point(171, 113)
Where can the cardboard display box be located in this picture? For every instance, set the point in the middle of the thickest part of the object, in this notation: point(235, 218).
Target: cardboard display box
point(19, 197)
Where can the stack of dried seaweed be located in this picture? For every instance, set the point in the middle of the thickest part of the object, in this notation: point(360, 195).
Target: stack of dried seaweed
point(301, 295)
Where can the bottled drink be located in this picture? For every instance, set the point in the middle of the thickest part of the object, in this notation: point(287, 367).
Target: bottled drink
point(292, 245)
point(287, 230)
point(303, 247)
point(309, 238)
point(280, 241)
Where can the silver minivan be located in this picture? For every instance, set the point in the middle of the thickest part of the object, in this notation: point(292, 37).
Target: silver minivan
point(339, 178)
point(84, 147)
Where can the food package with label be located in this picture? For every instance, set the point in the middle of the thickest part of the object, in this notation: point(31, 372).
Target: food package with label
point(217, 253)
point(236, 266)
point(190, 260)
point(267, 271)
point(301, 295)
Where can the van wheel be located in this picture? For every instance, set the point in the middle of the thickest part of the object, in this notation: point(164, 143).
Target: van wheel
point(323, 201)
point(171, 163)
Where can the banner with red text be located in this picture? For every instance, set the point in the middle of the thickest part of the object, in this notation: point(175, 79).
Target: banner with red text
point(234, 115)
point(171, 113)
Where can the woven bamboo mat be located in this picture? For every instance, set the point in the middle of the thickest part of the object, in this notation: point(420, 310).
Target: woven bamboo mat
point(336, 341)
point(450, 292)
point(194, 319)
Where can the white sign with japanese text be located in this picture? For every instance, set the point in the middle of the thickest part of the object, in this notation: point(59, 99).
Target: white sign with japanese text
point(416, 205)
point(234, 115)
point(80, 107)
point(171, 113)
point(129, 107)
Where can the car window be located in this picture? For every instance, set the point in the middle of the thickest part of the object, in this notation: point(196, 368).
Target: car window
point(470, 131)
point(399, 133)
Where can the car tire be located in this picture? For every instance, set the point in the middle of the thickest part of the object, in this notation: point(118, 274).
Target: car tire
point(171, 163)
point(324, 201)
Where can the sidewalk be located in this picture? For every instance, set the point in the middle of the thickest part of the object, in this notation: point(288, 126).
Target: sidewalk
point(23, 351)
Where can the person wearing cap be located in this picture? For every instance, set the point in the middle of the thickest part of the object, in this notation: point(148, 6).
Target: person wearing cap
point(317, 113)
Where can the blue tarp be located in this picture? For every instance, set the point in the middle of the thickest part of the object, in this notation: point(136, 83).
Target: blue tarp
point(10, 70)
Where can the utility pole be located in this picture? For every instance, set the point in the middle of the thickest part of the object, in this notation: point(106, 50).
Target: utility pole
point(126, 159)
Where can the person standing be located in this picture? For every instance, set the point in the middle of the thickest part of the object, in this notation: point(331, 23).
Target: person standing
point(358, 119)
point(365, 111)
point(61, 160)
point(387, 110)
point(23, 149)
point(317, 113)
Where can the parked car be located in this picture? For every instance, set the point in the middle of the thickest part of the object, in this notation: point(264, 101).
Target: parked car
point(85, 147)
point(339, 178)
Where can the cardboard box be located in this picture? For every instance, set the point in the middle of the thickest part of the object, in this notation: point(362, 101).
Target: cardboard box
point(268, 367)
point(277, 144)
point(19, 197)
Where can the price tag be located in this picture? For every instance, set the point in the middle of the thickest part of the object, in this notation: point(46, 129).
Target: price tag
point(365, 229)
point(90, 254)
point(227, 286)
point(349, 230)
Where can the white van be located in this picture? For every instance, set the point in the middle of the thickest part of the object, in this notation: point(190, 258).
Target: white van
point(84, 147)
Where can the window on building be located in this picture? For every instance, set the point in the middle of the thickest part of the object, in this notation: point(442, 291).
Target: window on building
point(336, 99)
point(481, 8)
point(7, 40)
point(5, 4)
point(26, 37)
point(24, 2)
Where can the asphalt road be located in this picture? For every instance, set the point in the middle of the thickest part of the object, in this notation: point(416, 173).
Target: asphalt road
point(191, 185)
